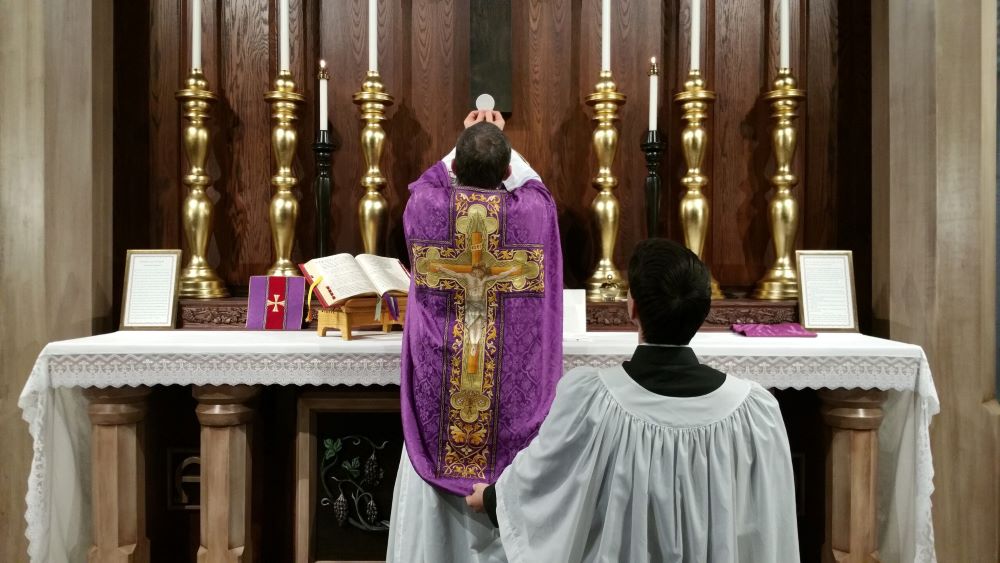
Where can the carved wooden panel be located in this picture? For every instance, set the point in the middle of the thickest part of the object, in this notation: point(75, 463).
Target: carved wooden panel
point(348, 447)
point(723, 315)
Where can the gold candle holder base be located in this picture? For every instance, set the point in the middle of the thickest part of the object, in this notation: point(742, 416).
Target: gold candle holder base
point(201, 282)
point(373, 209)
point(782, 280)
point(781, 283)
point(284, 209)
point(695, 209)
point(606, 99)
point(198, 279)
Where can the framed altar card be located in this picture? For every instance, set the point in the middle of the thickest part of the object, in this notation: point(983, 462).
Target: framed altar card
point(827, 301)
point(149, 299)
point(347, 450)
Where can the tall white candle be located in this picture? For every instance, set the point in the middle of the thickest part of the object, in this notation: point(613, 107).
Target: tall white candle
point(373, 35)
point(196, 34)
point(785, 30)
point(695, 34)
point(606, 35)
point(654, 85)
point(283, 34)
point(323, 117)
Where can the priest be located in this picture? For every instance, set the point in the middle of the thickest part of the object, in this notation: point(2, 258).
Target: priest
point(661, 459)
point(482, 343)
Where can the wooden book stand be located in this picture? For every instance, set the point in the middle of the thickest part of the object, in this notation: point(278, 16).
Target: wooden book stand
point(358, 313)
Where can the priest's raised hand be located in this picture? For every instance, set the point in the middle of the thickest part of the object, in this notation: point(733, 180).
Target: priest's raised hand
point(661, 459)
point(489, 116)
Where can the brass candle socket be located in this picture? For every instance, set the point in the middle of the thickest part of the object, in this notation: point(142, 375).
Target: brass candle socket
point(198, 279)
point(694, 210)
point(606, 99)
point(284, 209)
point(781, 280)
point(373, 209)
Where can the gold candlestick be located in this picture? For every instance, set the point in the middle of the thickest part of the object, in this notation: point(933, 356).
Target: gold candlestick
point(781, 281)
point(373, 209)
point(198, 279)
point(606, 100)
point(284, 210)
point(694, 100)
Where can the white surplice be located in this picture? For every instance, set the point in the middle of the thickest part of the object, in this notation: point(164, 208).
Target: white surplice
point(431, 526)
point(618, 473)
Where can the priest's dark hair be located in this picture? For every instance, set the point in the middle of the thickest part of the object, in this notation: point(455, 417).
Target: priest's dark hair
point(482, 156)
point(671, 289)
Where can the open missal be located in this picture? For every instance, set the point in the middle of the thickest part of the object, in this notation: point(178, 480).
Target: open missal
point(342, 277)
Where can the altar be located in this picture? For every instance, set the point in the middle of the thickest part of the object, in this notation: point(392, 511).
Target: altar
point(110, 377)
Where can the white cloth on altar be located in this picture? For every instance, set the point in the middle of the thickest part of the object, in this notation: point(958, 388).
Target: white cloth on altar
point(618, 473)
point(431, 526)
point(61, 432)
point(58, 500)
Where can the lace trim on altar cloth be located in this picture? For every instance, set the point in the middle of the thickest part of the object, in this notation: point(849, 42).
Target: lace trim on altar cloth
point(928, 405)
point(33, 402)
point(799, 372)
point(118, 370)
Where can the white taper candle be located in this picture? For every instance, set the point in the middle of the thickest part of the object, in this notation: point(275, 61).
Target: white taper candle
point(283, 33)
point(606, 35)
point(785, 31)
point(695, 34)
point(654, 86)
point(373, 35)
point(323, 116)
point(195, 34)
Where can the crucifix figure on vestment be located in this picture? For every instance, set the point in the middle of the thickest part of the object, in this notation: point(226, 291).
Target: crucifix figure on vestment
point(478, 275)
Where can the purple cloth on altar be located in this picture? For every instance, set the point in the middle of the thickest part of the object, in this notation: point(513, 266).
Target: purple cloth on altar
point(526, 345)
point(778, 330)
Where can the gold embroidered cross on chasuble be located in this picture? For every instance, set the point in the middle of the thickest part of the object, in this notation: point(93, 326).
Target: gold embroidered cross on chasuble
point(478, 271)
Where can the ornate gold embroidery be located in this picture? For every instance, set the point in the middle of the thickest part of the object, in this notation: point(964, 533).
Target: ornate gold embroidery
point(476, 269)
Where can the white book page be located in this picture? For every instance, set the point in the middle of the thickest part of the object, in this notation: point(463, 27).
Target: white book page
point(386, 274)
point(343, 276)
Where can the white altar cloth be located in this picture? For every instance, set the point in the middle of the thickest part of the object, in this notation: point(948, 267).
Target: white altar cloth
point(58, 504)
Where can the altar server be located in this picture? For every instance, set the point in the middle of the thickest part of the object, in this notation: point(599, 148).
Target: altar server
point(482, 344)
point(661, 459)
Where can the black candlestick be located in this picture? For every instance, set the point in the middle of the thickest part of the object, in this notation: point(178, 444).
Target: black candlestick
point(323, 149)
point(653, 148)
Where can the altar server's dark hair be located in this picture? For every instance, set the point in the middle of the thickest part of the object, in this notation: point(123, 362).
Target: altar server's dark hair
point(482, 156)
point(672, 291)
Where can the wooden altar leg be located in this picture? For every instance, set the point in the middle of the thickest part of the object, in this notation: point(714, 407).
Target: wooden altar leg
point(853, 416)
point(118, 481)
point(225, 472)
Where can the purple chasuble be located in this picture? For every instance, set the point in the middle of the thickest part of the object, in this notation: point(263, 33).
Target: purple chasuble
point(482, 344)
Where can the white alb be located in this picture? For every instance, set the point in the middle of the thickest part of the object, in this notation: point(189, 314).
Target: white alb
point(618, 473)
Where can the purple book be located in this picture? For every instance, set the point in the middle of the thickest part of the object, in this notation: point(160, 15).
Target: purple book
point(275, 303)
